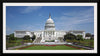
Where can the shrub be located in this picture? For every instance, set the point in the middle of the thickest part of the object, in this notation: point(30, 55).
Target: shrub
point(50, 41)
point(33, 37)
point(27, 37)
point(11, 37)
point(88, 35)
point(69, 36)
point(79, 37)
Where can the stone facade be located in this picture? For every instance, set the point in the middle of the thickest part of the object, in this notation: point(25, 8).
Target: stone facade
point(21, 34)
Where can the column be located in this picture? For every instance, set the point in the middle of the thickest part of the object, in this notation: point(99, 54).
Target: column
point(42, 36)
point(55, 34)
point(46, 33)
point(83, 35)
point(52, 33)
point(14, 34)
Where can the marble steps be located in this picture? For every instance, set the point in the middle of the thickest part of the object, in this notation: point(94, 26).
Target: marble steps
point(37, 40)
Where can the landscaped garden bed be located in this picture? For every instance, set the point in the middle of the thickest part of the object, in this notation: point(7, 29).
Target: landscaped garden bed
point(49, 40)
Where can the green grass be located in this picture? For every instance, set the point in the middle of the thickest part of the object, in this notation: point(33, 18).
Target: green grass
point(12, 44)
point(17, 42)
point(59, 47)
point(87, 42)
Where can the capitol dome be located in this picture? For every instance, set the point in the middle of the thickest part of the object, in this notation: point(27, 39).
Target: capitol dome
point(50, 20)
point(49, 24)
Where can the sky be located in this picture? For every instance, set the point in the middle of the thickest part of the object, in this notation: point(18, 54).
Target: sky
point(33, 18)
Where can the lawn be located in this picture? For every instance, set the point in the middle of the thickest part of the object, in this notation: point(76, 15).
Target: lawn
point(13, 43)
point(89, 43)
point(18, 42)
point(44, 47)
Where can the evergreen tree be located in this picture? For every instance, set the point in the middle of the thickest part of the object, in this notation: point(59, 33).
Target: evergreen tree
point(79, 37)
point(26, 37)
point(11, 37)
point(69, 36)
point(33, 37)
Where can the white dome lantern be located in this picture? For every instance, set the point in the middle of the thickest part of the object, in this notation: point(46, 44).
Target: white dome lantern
point(50, 20)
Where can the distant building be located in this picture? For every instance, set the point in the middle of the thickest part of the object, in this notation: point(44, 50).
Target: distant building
point(78, 32)
point(21, 34)
point(87, 38)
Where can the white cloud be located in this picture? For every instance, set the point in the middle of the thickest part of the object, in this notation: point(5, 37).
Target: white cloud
point(26, 27)
point(30, 27)
point(8, 30)
point(30, 9)
point(10, 15)
point(40, 15)
point(70, 20)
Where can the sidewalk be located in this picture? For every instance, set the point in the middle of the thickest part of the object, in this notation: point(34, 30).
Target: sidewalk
point(10, 48)
point(82, 47)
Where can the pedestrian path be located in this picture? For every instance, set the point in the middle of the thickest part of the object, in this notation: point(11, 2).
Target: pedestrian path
point(10, 48)
point(82, 47)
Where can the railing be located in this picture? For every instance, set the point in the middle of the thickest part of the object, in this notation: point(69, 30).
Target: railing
point(37, 40)
point(61, 39)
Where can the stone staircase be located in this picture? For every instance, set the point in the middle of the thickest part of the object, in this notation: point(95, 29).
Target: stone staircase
point(61, 39)
point(37, 40)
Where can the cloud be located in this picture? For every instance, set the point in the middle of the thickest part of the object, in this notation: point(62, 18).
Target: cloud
point(30, 27)
point(40, 15)
point(29, 9)
point(71, 20)
point(8, 30)
point(26, 27)
point(10, 15)
point(76, 13)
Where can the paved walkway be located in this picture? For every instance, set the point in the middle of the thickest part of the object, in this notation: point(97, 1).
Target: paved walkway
point(82, 47)
point(10, 48)
point(50, 43)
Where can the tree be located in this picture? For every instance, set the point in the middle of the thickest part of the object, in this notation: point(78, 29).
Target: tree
point(26, 37)
point(69, 36)
point(7, 37)
point(88, 35)
point(79, 37)
point(65, 37)
point(92, 37)
point(33, 37)
point(11, 37)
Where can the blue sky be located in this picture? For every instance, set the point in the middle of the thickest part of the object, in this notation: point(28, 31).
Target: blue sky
point(33, 18)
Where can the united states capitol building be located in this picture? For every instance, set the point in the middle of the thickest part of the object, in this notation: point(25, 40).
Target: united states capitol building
point(49, 33)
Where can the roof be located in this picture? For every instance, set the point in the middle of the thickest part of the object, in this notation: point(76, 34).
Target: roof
point(21, 31)
point(76, 31)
